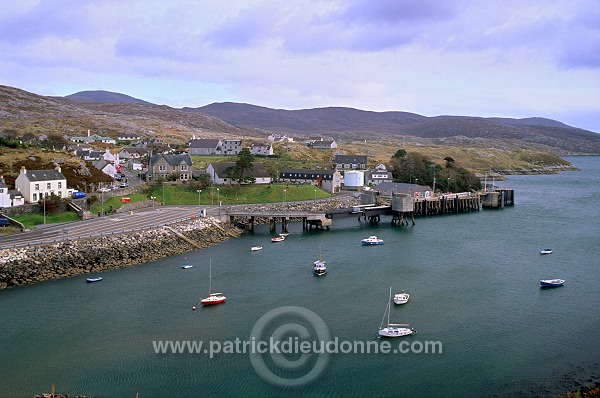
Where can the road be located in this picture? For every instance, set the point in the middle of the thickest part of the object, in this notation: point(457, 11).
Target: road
point(113, 224)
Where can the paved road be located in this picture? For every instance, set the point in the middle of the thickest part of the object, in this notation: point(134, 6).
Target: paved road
point(114, 224)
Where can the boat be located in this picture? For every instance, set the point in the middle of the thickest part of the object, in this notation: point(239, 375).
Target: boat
point(401, 298)
point(284, 234)
point(212, 298)
point(187, 266)
point(546, 251)
point(393, 329)
point(551, 282)
point(371, 240)
point(320, 268)
point(92, 280)
point(278, 239)
point(256, 248)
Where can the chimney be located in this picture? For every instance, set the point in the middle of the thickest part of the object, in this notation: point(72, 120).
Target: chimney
point(23, 170)
point(58, 168)
point(88, 132)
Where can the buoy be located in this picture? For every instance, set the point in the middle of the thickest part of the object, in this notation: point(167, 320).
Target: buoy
point(193, 308)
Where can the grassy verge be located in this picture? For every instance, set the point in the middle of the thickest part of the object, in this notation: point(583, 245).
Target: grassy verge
point(30, 220)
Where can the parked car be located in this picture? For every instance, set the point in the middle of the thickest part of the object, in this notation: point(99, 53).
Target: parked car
point(123, 185)
point(78, 195)
point(103, 189)
point(114, 187)
point(118, 177)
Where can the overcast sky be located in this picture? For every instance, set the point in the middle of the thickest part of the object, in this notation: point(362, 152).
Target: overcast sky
point(509, 58)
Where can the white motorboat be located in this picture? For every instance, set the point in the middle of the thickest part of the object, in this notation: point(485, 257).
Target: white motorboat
point(371, 240)
point(551, 282)
point(546, 251)
point(256, 248)
point(401, 298)
point(187, 266)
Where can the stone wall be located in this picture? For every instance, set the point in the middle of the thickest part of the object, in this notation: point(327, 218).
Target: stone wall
point(21, 266)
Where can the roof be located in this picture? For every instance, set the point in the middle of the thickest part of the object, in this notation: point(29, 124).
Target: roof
point(203, 143)
point(3, 184)
point(173, 160)
point(258, 171)
point(44, 175)
point(135, 149)
point(351, 159)
point(386, 188)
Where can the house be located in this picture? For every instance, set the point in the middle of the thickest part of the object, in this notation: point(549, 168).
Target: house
point(163, 166)
point(16, 198)
point(131, 137)
point(106, 167)
point(132, 153)
point(4, 194)
point(231, 147)
point(200, 146)
point(280, 137)
point(220, 173)
point(109, 157)
point(93, 138)
point(350, 162)
point(90, 156)
point(35, 184)
point(261, 149)
point(329, 180)
point(324, 145)
point(376, 177)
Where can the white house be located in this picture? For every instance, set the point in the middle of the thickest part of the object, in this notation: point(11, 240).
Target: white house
point(107, 168)
point(35, 184)
point(329, 180)
point(16, 198)
point(324, 145)
point(200, 146)
point(261, 149)
point(231, 147)
point(4, 194)
point(109, 157)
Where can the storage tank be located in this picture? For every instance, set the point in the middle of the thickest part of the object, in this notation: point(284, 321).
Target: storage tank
point(354, 178)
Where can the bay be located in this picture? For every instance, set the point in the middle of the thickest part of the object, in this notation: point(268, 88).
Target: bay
point(473, 280)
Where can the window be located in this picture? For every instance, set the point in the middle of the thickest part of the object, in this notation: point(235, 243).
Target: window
point(59, 184)
point(59, 194)
point(35, 197)
point(48, 186)
point(184, 167)
point(162, 167)
point(37, 187)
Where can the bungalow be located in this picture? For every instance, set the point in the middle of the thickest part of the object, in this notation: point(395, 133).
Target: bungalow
point(350, 162)
point(200, 146)
point(106, 167)
point(261, 149)
point(93, 138)
point(329, 180)
point(162, 166)
point(376, 177)
point(324, 145)
point(109, 157)
point(35, 184)
point(221, 173)
point(132, 153)
point(386, 189)
point(16, 198)
point(128, 137)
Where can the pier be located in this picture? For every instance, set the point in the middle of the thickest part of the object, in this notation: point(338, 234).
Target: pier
point(403, 208)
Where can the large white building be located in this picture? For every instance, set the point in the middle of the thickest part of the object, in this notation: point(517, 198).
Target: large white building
point(35, 184)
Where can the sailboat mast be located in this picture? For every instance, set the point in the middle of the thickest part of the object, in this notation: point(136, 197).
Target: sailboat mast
point(388, 309)
point(209, 275)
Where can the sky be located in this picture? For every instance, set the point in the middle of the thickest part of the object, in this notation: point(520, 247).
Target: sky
point(509, 58)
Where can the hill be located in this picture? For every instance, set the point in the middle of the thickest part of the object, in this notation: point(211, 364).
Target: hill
point(104, 96)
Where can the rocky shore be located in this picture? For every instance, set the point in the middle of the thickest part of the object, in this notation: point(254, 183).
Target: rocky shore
point(22, 266)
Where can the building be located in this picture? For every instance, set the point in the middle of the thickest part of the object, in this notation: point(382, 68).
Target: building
point(350, 162)
point(4, 194)
point(93, 138)
point(131, 137)
point(415, 190)
point(261, 149)
point(328, 180)
point(221, 173)
point(377, 177)
point(280, 137)
point(231, 147)
point(132, 153)
point(107, 168)
point(163, 166)
point(35, 184)
point(200, 146)
point(324, 144)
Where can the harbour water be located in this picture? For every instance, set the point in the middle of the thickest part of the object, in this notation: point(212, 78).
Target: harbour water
point(473, 280)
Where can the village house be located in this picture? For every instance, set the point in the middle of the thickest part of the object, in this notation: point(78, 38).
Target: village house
point(131, 137)
point(261, 149)
point(201, 146)
point(280, 137)
point(324, 144)
point(231, 147)
point(162, 166)
point(350, 162)
point(93, 138)
point(130, 153)
point(414, 190)
point(35, 184)
point(328, 180)
point(221, 173)
point(4, 194)
point(107, 168)
point(379, 175)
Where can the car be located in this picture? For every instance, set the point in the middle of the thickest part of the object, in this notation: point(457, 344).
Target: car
point(118, 177)
point(78, 195)
point(123, 185)
point(114, 187)
point(104, 189)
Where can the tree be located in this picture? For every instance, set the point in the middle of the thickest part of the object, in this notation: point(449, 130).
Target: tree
point(55, 141)
point(400, 153)
point(244, 162)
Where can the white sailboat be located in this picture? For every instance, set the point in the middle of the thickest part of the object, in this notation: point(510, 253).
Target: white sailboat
point(393, 329)
point(320, 268)
point(212, 298)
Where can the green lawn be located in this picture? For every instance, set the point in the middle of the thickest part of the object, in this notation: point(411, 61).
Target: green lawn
point(30, 220)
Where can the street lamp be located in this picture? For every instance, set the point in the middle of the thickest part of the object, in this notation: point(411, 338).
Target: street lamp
point(199, 211)
point(315, 199)
point(448, 184)
point(152, 197)
point(284, 199)
point(163, 193)
point(218, 196)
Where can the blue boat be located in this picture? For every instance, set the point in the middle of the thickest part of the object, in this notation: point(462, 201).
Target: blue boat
point(371, 240)
point(551, 282)
point(92, 280)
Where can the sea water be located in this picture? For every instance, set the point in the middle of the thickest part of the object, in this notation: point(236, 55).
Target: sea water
point(473, 280)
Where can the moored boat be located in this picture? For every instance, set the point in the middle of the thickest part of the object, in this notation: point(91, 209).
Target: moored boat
point(256, 248)
point(187, 266)
point(551, 282)
point(546, 251)
point(401, 298)
point(278, 239)
point(92, 280)
point(371, 240)
point(393, 329)
point(212, 298)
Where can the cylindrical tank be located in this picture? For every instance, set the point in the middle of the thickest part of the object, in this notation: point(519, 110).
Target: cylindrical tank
point(354, 178)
